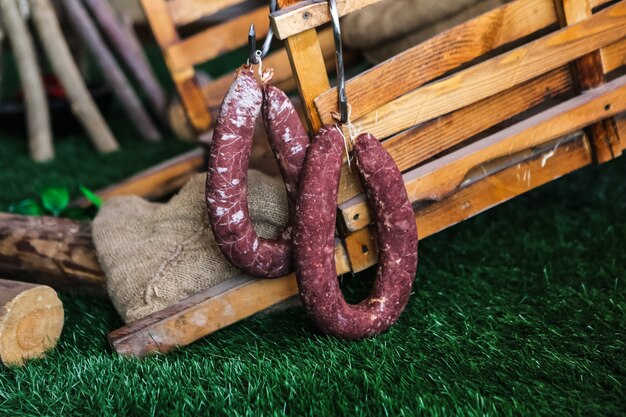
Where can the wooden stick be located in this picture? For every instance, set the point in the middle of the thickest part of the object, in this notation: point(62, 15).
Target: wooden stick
point(122, 40)
point(84, 26)
point(188, 11)
point(435, 180)
point(64, 66)
point(497, 74)
point(36, 102)
point(51, 251)
point(588, 72)
point(31, 321)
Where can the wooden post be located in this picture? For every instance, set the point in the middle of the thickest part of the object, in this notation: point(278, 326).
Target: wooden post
point(31, 321)
point(588, 72)
point(309, 71)
point(37, 116)
point(61, 60)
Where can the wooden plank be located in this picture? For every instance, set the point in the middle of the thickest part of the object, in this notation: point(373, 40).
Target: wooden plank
point(214, 41)
point(157, 181)
point(307, 65)
point(283, 77)
point(207, 312)
point(497, 74)
point(614, 56)
point(439, 55)
point(437, 179)
point(188, 11)
point(489, 192)
point(589, 73)
point(311, 14)
point(161, 22)
point(422, 142)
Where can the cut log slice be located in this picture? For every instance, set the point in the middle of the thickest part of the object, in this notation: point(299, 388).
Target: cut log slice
point(31, 320)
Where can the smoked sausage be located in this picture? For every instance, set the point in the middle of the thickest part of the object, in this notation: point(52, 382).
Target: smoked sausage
point(314, 236)
point(226, 187)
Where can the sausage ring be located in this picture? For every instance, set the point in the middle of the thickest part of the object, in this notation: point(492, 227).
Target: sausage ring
point(314, 236)
point(226, 186)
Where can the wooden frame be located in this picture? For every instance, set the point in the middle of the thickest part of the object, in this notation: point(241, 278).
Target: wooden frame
point(516, 119)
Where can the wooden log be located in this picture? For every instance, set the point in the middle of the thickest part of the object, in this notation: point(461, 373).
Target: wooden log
point(522, 175)
point(122, 40)
point(208, 311)
point(307, 65)
point(422, 142)
point(122, 89)
point(435, 180)
point(497, 74)
point(31, 321)
point(310, 14)
point(589, 73)
point(188, 11)
point(439, 55)
point(65, 68)
point(50, 251)
point(35, 100)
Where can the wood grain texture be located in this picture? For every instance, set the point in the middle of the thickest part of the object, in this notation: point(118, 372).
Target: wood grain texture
point(207, 312)
point(216, 40)
point(437, 179)
point(31, 321)
point(188, 11)
point(439, 55)
point(518, 178)
point(589, 73)
point(310, 14)
point(51, 251)
point(307, 65)
point(497, 74)
point(422, 142)
point(614, 56)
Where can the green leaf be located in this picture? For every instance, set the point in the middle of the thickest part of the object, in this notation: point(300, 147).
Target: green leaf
point(29, 207)
point(95, 199)
point(55, 199)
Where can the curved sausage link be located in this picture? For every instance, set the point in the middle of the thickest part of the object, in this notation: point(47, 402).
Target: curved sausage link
point(289, 141)
point(314, 236)
point(226, 188)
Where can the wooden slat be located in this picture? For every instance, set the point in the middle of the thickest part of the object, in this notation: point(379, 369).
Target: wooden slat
point(614, 56)
point(480, 196)
point(156, 182)
point(207, 312)
point(187, 11)
point(422, 142)
point(214, 41)
point(497, 74)
point(439, 55)
point(307, 65)
point(310, 14)
point(161, 22)
point(588, 72)
point(435, 180)
point(283, 77)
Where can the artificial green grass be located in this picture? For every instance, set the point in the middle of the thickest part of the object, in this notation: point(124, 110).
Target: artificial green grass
point(520, 311)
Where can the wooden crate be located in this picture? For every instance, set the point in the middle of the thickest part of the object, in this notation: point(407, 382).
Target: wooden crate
point(475, 116)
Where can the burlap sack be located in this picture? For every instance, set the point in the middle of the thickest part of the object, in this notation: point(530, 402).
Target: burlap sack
point(402, 24)
point(157, 254)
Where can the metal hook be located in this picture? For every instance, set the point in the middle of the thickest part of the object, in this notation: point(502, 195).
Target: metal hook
point(341, 72)
point(253, 56)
